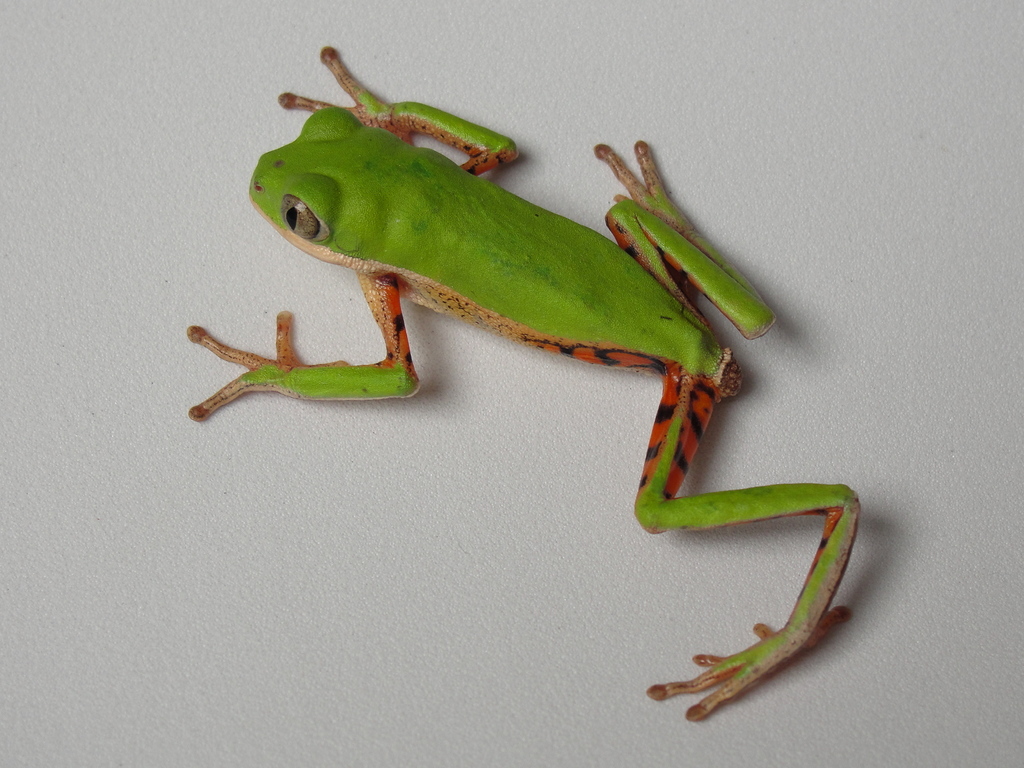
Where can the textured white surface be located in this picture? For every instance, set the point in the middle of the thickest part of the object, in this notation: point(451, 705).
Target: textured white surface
point(456, 580)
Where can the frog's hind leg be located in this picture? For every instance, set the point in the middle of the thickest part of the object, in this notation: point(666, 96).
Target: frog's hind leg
point(683, 414)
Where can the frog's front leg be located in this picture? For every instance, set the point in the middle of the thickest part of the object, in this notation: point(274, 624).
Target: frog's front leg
point(685, 409)
point(394, 376)
point(485, 148)
point(659, 236)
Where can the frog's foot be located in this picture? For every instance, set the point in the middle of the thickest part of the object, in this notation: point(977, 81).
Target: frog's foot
point(263, 374)
point(646, 193)
point(738, 672)
point(650, 193)
point(368, 108)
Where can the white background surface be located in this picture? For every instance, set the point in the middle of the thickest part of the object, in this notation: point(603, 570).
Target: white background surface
point(457, 580)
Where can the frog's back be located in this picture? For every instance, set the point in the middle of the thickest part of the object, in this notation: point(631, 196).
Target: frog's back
point(481, 245)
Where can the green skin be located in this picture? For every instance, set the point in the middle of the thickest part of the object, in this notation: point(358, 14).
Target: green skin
point(352, 190)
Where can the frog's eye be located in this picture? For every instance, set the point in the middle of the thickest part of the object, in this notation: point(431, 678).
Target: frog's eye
point(301, 220)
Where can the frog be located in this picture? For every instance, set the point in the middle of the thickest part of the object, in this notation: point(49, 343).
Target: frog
point(355, 190)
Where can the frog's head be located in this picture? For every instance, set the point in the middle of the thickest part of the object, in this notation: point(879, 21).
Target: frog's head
point(298, 193)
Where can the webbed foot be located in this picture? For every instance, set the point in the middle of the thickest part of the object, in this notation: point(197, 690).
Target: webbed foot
point(738, 672)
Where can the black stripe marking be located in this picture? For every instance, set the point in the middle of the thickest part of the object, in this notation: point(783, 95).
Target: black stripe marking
point(701, 386)
point(696, 425)
point(665, 411)
point(680, 459)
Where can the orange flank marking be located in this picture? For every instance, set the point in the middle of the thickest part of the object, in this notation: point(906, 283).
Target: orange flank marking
point(588, 355)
